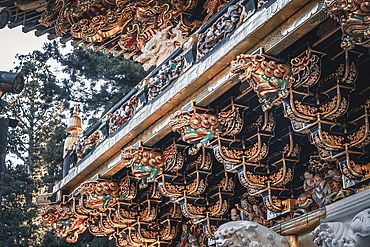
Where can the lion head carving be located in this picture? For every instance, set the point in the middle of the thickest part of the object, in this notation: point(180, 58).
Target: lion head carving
point(269, 79)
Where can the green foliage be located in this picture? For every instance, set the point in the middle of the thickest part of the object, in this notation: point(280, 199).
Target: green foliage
point(38, 138)
point(37, 142)
point(51, 240)
point(17, 219)
point(95, 80)
point(91, 241)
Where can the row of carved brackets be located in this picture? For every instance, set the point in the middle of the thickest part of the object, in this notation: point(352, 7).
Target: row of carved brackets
point(110, 211)
point(269, 178)
point(263, 173)
point(247, 162)
point(205, 210)
point(318, 121)
point(184, 180)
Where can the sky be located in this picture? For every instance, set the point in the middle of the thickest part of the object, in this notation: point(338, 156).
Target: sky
point(13, 41)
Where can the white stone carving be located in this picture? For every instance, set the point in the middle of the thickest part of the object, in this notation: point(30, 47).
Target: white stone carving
point(338, 234)
point(248, 234)
point(160, 46)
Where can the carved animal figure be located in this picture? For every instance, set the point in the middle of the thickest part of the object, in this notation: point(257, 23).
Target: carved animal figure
point(199, 129)
point(338, 234)
point(66, 224)
point(71, 228)
point(103, 194)
point(246, 234)
point(145, 165)
point(354, 17)
point(270, 80)
point(160, 46)
point(55, 213)
point(195, 128)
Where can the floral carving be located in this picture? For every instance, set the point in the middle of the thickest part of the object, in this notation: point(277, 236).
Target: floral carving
point(85, 145)
point(167, 74)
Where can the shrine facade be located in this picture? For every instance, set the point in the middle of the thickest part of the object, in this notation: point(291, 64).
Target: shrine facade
point(253, 129)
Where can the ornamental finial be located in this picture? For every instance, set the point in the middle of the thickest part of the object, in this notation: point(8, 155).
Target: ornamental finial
point(74, 128)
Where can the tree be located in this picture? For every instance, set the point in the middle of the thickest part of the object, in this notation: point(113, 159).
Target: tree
point(17, 225)
point(95, 80)
point(37, 143)
point(38, 111)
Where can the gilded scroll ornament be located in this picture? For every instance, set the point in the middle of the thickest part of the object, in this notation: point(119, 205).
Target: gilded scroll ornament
point(174, 158)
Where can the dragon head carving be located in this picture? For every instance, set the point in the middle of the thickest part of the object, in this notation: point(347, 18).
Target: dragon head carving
point(269, 79)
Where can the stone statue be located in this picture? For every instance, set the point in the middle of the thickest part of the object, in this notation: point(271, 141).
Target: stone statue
point(338, 234)
point(247, 234)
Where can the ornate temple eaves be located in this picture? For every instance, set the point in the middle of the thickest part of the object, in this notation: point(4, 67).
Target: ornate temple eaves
point(283, 138)
point(186, 88)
